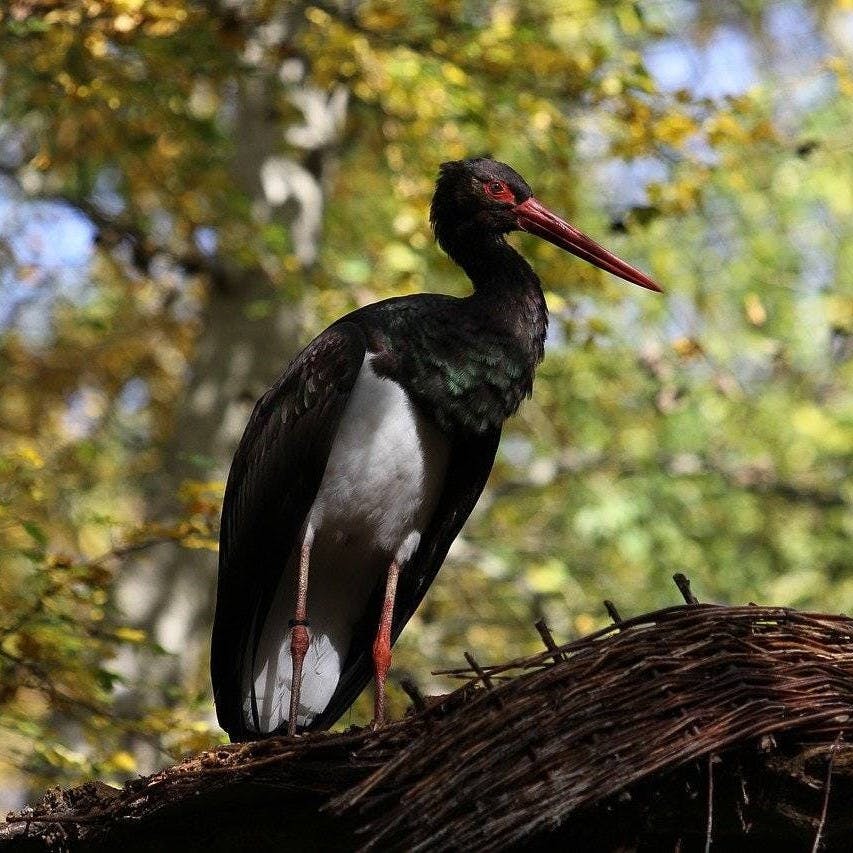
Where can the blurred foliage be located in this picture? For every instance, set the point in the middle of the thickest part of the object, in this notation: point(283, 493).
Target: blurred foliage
point(708, 431)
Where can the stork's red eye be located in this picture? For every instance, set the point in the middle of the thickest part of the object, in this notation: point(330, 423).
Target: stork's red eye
point(498, 190)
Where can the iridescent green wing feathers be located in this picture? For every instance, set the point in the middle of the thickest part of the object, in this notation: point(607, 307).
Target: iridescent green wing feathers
point(469, 375)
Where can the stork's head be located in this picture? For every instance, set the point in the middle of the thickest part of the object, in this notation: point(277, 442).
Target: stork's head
point(481, 200)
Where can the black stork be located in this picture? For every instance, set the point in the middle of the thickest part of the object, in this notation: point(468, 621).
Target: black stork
point(360, 465)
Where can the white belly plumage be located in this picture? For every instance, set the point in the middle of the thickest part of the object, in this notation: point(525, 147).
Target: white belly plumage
point(378, 493)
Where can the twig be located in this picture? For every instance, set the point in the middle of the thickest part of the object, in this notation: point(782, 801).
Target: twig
point(683, 584)
point(481, 673)
point(413, 692)
point(742, 801)
point(710, 825)
point(548, 639)
point(829, 764)
point(610, 607)
point(95, 817)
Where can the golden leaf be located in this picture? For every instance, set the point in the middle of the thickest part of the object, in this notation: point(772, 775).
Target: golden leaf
point(756, 313)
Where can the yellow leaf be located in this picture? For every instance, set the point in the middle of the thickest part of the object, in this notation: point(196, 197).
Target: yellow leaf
point(611, 86)
point(96, 44)
point(839, 312)
point(809, 420)
point(200, 542)
point(130, 635)
point(687, 347)
point(317, 16)
point(27, 453)
point(674, 128)
point(123, 761)
point(546, 577)
point(756, 313)
point(724, 127)
point(124, 23)
point(162, 28)
point(454, 74)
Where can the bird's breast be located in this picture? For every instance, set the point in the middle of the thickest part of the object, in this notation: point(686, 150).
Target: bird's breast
point(385, 470)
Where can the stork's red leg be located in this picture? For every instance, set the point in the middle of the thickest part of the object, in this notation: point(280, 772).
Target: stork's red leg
point(382, 645)
point(299, 633)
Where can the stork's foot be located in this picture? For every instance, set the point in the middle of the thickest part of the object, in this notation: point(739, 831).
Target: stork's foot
point(299, 642)
point(382, 662)
point(380, 717)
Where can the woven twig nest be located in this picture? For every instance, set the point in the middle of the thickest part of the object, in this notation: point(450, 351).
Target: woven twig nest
point(633, 723)
point(560, 731)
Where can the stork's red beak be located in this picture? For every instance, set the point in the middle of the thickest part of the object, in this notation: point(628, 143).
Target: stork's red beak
point(535, 218)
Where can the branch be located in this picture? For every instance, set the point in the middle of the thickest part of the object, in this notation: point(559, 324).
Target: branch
point(115, 231)
point(736, 479)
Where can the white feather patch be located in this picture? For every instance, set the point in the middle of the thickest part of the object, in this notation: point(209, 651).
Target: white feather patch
point(382, 481)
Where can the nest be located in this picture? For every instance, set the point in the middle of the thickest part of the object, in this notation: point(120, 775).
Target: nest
point(570, 727)
point(528, 748)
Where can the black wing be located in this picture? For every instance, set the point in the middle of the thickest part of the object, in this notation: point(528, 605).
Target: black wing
point(468, 468)
point(272, 484)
